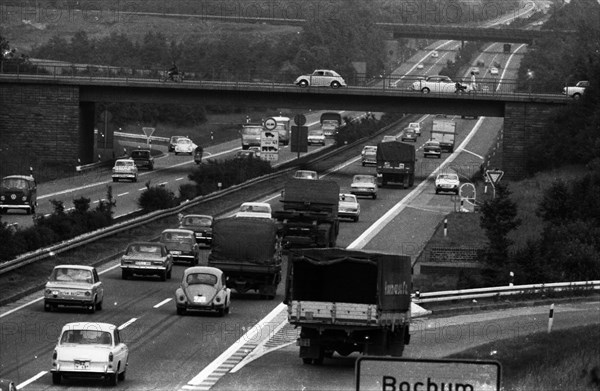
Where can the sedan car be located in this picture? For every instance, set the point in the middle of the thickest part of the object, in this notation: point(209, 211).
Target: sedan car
point(185, 145)
point(436, 84)
point(90, 349)
point(349, 207)
point(447, 183)
point(316, 136)
point(255, 209)
point(203, 288)
point(125, 169)
point(181, 244)
point(143, 158)
point(409, 134)
point(74, 285)
point(493, 71)
point(306, 174)
point(474, 70)
point(364, 185)
point(321, 78)
point(435, 54)
point(416, 126)
point(202, 225)
point(246, 154)
point(432, 148)
point(387, 138)
point(368, 155)
point(173, 141)
point(147, 258)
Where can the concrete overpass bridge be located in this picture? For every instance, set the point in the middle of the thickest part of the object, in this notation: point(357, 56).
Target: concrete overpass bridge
point(49, 120)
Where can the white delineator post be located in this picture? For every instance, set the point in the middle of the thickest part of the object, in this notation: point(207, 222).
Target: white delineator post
point(445, 227)
point(551, 317)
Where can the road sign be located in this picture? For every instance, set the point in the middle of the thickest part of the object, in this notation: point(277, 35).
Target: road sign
point(299, 139)
point(269, 145)
point(270, 124)
point(300, 119)
point(467, 191)
point(148, 131)
point(494, 176)
point(395, 374)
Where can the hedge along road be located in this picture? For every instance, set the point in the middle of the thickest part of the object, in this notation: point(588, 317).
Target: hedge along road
point(170, 170)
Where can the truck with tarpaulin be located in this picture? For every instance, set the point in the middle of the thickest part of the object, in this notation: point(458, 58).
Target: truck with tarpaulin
point(444, 131)
point(348, 301)
point(331, 122)
point(248, 251)
point(310, 213)
point(395, 163)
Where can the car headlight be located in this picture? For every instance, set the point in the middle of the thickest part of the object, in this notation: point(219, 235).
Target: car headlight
point(2, 198)
point(24, 198)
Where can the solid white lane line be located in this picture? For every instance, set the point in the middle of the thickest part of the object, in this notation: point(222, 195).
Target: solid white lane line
point(165, 301)
point(31, 380)
point(474, 154)
point(180, 178)
point(122, 194)
point(374, 229)
point(130, 321)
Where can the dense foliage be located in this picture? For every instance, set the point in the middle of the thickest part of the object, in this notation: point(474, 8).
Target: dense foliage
point(557, 61)
point(59, 226)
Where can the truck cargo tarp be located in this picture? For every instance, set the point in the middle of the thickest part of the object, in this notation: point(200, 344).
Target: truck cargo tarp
point(349, 276)
point(312, 191)
point(244, 239)
point(395, 151)
point(331, 116)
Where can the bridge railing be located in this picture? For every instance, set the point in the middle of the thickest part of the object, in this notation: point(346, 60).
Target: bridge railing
point(488, 84)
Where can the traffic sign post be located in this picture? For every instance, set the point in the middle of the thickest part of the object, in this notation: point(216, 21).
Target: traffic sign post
point(494, 177)
point(270, 123)
point(148, 132)
point(396, 374)
point(269, 145)
point(299, 139)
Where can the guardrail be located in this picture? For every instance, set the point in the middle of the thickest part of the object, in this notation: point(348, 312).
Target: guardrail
point(492, 292)
point(488, 84)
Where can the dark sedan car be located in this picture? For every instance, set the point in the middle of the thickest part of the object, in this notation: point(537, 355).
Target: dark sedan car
point(143, 158)
point(202, 225)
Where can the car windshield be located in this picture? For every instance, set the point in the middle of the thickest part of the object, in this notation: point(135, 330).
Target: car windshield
point(123, 163)
point(174, 139)
point(179, 237)
point(255, 208)
point(184, 141)
point(317, 132)
point(201, 278)
point(370, 149)
point(86, 337)
point(252, 130)
point(15, 183)
point(448, 177)
point(348, 197)
point(71, 275)
point(195, 221)
point(145, 250)
point(140, 154)
point(364, 178)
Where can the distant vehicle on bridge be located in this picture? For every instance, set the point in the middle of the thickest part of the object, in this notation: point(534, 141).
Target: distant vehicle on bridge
point(577, 91)
point(438, 84)
point(321, 78)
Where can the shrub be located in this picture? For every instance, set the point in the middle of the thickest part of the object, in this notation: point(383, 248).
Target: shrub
point(156, 198)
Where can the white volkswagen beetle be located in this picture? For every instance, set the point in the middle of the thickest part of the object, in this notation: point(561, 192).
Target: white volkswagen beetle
point(203, 288)
point(90, 349)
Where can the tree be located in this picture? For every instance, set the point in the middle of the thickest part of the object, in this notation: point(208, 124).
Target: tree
point(498, 219)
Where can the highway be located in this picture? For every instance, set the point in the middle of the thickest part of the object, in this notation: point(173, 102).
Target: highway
point(253, 347)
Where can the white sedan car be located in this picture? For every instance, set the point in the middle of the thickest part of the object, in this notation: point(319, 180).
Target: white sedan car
point(348, 207)
point(90, 349)
point(447, 183)
point(364, 185)
point(185, 145)
point(321, 78)
point(437, 84)
point(255, 209)
point(493, 71)
point(416, 126)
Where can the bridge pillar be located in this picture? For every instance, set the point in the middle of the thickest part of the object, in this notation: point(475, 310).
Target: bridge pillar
point(39, 128)
point(524, 125)
point(87, 112)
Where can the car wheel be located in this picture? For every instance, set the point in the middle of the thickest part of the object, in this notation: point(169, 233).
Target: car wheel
point(437, 191)
point(32, 209)
point(135, 178)
point(169, 273)
point(335, 84)
point(374, 196)
point(181, 311)
point(355, 219)
point(123, 374)
point(425, 90)
point(163, 276)
point(576, 96)
point(124, 274)
point(99, 305)
point(306, 360)
point(112, 379)
point(151, 167)
point(363, 164)
point(221, 312)
point(114, 179)
point(92, 308)
point(56, 377)
point(47, 307)
point(303, 83)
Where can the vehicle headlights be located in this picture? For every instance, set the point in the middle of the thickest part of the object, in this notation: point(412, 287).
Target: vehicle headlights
point(2, 198)
point(24, 198)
